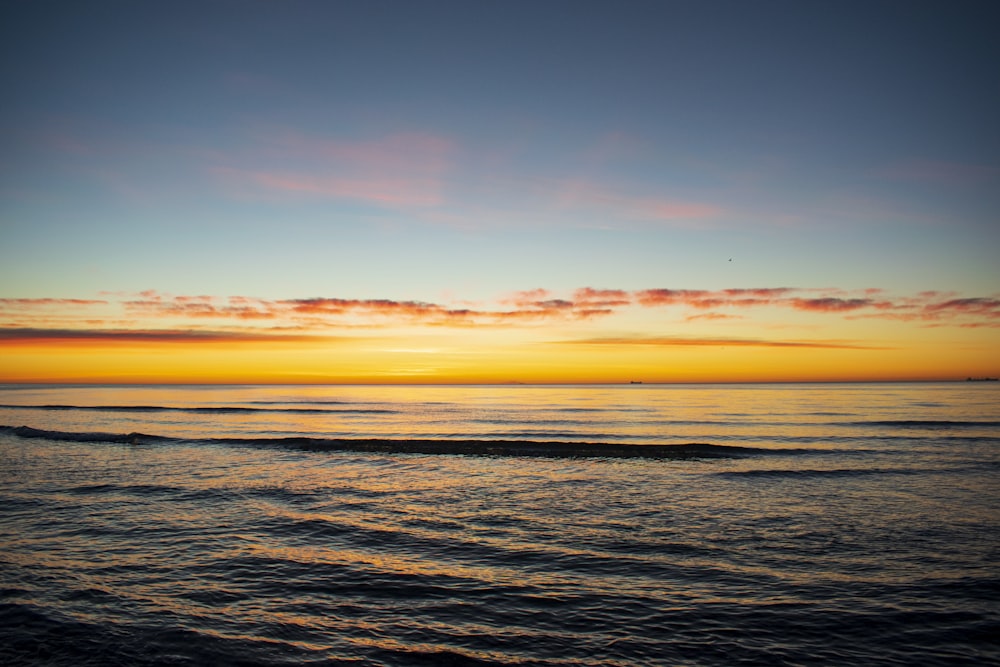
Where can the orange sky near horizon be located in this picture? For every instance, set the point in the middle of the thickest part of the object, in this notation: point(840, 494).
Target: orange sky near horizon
point(555, 363)
point(759, 335)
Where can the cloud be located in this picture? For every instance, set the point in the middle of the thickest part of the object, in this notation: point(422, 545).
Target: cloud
point(401, 170)
point(47, 303)
point(736, 297)
point(153, 303)
point(602, 298)
point(668, 297)
point(712, 316)
point(538, 299)
point(741, 296)
point(46, 312)
point(323, 312)
point(407, 151)
point(940, 308)
point(586, 303)
point(758, 292)
point(36, 335)
point(527, 297)
point(940, 173)
point(929, 306)
point(594, 197)
point(529, 305)
point(988, 307)
point(720, 342)
point(65, 143)
point(382, 307)
point(526, 307)
point(830, 304)
point(402, 192)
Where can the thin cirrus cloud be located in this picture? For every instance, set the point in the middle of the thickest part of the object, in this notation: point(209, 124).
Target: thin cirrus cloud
point(421, 172)
point(49, 312)
point(401, 170)
point(39, 335)
point(601, 199)
point(940, 173)
point(29, 304)
point(721, 342)
point(712, 316)
point(424, 174)
point(373, 189)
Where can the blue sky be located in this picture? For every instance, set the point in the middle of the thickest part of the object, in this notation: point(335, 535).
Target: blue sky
point(454, 152)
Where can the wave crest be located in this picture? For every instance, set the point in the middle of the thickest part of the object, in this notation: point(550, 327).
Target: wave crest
point(216, 410)
point(466, 446)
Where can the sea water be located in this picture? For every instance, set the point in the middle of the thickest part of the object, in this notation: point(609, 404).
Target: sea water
point(349, 525)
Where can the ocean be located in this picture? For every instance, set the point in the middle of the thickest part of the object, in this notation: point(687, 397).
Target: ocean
point(784, 524)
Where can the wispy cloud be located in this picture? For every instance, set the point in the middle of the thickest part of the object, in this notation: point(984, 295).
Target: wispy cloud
point(50, 312)
point(712, 316)
point(27, 334)
point(400, 170)
point(720, 342)
point(27, 304)
point(374, 189)
point(940, 173)
point(596, 198)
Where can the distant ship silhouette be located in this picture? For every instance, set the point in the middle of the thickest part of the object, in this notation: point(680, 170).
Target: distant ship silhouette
point(970, 379)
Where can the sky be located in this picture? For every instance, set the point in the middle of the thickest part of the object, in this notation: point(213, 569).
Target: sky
point(306, 191)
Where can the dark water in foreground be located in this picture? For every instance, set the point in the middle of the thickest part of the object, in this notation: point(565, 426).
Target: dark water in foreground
point(840, 524)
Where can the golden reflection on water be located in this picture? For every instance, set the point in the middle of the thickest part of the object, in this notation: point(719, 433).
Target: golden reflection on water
point(265, 544)
point(770, 416)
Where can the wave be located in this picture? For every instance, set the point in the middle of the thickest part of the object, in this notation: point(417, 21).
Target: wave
point(464, 446)
point(614, 409)
point(299, 402)
point(218, 410)
point(818, 473)
point(926, 423)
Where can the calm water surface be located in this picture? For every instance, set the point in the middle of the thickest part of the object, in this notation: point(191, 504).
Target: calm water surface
point(832, 524)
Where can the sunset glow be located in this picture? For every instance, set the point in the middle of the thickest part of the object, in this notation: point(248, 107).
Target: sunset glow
point(503, 332)
point(535, 336)
point(332, 193)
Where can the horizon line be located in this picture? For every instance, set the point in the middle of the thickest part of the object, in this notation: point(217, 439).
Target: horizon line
point(632, 383)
